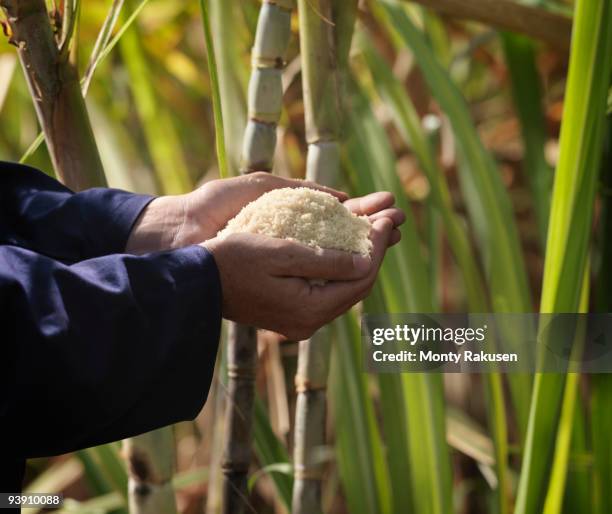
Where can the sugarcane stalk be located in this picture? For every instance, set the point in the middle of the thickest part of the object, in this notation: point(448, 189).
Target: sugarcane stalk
point(265, 93)
point(264, 107)
point(53, 82)
point(150, 460)
point(325, 34)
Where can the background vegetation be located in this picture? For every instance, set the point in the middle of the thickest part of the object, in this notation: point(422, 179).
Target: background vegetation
point(458, 111)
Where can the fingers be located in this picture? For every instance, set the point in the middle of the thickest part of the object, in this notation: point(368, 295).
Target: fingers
point(292, 259)
point(267, 182)
point(396, 237)
point(380, 236)
point(333, 295)
point(370, 204)
point(397, 216)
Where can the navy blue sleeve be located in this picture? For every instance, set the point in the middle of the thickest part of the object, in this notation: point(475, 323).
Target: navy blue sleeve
point(103, 349)
point(39, 213)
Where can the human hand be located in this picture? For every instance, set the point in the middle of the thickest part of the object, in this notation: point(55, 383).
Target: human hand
point(376, 206)
point(265, 281)
point(177, 221)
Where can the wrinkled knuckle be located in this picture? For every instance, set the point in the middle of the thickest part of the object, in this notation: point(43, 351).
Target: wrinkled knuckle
point(260, 175)
point(257, 178)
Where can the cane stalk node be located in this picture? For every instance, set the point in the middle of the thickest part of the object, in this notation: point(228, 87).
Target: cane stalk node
point(241, 372)
point(288, 5)
point(305, 385)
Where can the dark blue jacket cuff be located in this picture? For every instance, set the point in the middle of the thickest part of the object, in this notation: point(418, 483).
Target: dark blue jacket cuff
point(108, 216)
point(42, 215)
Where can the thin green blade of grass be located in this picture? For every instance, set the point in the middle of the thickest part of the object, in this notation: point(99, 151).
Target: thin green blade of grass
point(570, 223)
point(360, 459)
point(553, 503)
point(394, 423)
point(490, 212)
point(232, 79)
point(94, 475)
point(601, 384)
point(488, 204)
point(216, 94)
point(284, 468)
point(520, 57)
point(271, 451)
point(405, 286)
point(110, 463)
point(410, 126)
point(95, 59)
point(368, 150)
point(162, 139)
point(101, 42)
point(554, 497)
point(578, 495)
point(424, 405)
point(601, 428)
point(32, 148)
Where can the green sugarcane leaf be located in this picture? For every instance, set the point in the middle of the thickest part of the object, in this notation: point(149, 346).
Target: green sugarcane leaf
point(360, 455)
point(407, 121)
point(98, 55)
point(284, 468)
point(102, 42)
point(405, 287)
point(488, 203)
point(570, 223)
point(521, 60)
point(216, 94)
point(233, 79)
point(410, 127)
point(158, 125)
point(270, 451)
point(601, 428)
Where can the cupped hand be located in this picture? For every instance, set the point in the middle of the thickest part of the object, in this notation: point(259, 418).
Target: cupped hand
point(376, 206)
point(266, 281)
point(215, 203)
point(177, 221)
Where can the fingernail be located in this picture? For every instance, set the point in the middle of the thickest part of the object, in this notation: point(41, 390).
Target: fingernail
point(361, 264)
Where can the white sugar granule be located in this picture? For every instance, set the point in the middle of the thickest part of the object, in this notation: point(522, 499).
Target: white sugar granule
point(306, 215)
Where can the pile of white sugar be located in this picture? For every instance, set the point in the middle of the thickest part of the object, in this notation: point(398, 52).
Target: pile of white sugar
point(306, 215)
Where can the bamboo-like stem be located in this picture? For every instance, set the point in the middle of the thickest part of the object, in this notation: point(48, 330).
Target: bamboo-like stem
point(325, 34)
point(54, 86)
point(150, 460)
point(535, 22)
point(241, 367)
point(265, 87)
point(264, 105)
